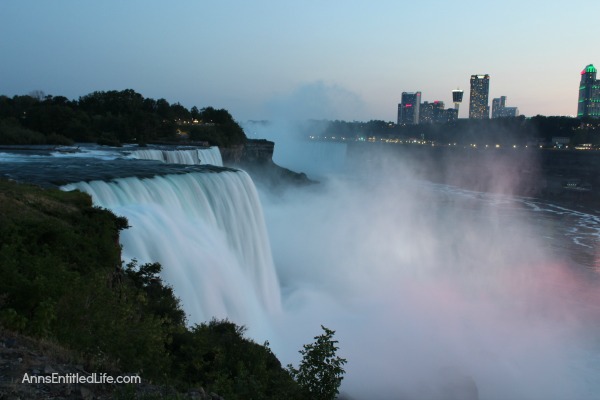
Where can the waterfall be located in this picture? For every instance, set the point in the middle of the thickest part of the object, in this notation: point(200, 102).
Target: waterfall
point(208, 232)
point(426, 285)
point(210, 156)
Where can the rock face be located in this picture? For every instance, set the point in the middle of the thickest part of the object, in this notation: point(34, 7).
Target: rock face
point(253, 151)
point(232, 155)
point(24, 360)
point(256, 158)
point(21, 364)
point(258, 151)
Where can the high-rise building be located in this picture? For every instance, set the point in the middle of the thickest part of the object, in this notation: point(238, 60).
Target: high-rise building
point(509, 112)
point(426, 113)
point(432, 112)
point(457, 97)
point(589, 94)
point(478, 101)
point(497, 105)
point(499, 109)
point(408, 110)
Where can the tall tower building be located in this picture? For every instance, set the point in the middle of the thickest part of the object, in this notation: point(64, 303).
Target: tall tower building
point(457, 97)
point(589, 94)
point(408, 110)
point(478, 101)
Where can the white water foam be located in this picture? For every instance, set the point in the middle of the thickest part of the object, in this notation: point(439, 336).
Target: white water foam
point(426, 285)
point(426, 293)
point(210, 156)
point(208, 231)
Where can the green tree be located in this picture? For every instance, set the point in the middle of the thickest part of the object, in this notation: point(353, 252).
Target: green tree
point(321, 371)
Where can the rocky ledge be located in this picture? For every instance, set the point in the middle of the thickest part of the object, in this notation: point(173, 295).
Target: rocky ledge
point(256, 157)
point(25, 361)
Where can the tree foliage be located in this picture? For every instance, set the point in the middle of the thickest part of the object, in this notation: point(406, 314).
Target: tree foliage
point(321, 371)
point(219, 128)
point(112, 117)
point(503, 131)
point(218, 356)
point(63, 280)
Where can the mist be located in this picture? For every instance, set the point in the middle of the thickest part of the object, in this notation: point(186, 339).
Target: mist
point(303, 111)
point(315, 100)
point(434, 292)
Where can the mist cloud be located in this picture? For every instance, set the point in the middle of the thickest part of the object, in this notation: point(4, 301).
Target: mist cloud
point(431, 288)
point(316, 100)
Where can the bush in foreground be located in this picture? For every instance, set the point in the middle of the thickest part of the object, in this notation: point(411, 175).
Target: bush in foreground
point(321, 371)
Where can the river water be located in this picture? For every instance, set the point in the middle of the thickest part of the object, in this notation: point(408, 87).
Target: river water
point(431, 289)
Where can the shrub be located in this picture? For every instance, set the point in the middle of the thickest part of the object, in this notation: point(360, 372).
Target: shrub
point(321, 370)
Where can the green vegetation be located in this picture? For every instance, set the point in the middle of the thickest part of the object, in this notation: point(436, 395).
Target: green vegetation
point(321, 370)
point(216, 355)
point(111, 118)
point(63, 281)
point(219, 129)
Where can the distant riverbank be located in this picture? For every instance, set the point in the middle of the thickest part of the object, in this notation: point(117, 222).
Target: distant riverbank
point(566, 177)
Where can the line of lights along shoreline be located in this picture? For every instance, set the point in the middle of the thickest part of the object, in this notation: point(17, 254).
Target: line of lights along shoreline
point(411, 111)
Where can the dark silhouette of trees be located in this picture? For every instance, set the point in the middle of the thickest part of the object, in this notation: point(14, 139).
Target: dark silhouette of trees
point(218, 127)
point(501, 131)
point(110, 117)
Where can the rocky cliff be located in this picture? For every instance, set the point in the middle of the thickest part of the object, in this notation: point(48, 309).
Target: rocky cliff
point(253, 151)
point(256, 157)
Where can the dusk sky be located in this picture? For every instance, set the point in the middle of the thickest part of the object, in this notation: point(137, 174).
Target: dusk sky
point(266, 59)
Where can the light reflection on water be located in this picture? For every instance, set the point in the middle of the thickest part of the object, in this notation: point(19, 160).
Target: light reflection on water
point(569, 234)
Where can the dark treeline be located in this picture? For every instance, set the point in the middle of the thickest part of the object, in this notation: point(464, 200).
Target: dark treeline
point(504, 131)
point(62, 280)
point(116, 117)
point(111, 118)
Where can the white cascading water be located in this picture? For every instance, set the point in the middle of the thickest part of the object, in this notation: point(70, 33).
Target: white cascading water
point(425, 287)
point(209, 156)
point(208, 232)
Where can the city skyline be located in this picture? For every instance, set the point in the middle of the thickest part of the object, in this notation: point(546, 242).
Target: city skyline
point(271, 59)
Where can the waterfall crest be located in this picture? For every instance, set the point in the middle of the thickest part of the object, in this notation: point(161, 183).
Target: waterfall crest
point(208, 232)
point(210, 156)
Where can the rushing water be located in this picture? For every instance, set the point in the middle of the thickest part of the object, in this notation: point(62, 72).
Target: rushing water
point(431, 289)
point(208, 230)
point(210, 156)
